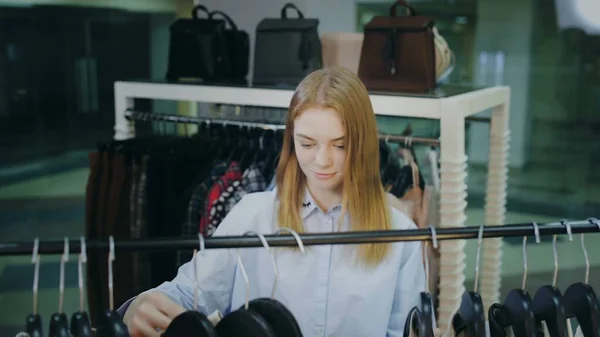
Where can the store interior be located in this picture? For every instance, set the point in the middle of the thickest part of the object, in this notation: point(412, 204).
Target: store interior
point(59, 61)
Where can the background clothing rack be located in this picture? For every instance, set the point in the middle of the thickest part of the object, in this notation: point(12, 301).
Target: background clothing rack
point(450, 108)
point(355, 237)
point(148, 116)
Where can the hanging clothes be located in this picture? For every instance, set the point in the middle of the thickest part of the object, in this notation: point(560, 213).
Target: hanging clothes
point(252, 181)
point(403, 178)
point(131, 194)
point(416, 186)
point(231, 175)
point(108, 213)
point(168, 186)
point(165, 186)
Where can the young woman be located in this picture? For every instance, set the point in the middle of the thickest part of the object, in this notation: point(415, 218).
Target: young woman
point(327, 180)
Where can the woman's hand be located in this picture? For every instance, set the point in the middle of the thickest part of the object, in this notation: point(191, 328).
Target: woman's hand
point(149, 312)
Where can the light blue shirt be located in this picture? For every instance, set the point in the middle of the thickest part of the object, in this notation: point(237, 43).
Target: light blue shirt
point(328, 294)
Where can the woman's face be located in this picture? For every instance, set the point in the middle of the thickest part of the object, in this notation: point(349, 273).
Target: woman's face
point(319, 145)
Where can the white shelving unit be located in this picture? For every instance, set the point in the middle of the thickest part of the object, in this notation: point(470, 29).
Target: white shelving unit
point(450, 110)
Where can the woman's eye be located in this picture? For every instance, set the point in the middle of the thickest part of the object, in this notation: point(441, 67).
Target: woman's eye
point(341, 147)
point(306, 146)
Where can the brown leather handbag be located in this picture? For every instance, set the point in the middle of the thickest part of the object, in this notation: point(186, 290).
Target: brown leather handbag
point(398, 52)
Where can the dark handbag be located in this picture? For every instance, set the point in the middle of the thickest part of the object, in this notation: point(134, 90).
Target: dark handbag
point(238, 45)
point(198, 49)
point(398, 52)
point(286, 49)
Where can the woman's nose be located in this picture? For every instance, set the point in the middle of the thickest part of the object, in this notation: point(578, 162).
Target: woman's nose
point(323, 157)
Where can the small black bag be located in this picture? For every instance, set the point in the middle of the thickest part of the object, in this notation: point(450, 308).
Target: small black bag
point(286, 49)
point(238, 44)
point(198, 49)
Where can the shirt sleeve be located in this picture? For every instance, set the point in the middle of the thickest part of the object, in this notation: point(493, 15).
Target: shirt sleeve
point(215, 270)
point(409, 285)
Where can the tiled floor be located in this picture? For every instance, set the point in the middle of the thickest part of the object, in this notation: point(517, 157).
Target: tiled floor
point(52, 206)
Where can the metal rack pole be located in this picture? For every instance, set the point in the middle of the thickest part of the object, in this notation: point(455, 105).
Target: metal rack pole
point(220, 242)
point(147, 116)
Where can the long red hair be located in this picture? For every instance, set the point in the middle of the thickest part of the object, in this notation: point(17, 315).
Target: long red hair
point(364, 200)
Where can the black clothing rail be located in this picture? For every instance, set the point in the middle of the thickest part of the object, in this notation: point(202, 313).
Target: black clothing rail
point(591, 225)
point(148, 116)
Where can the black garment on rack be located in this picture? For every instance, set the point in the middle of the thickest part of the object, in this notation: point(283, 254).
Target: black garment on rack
point(141, 188)
point(106, 214)
point(131, 193)
point(168, 178)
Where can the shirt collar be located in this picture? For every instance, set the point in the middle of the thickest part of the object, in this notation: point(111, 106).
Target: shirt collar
point(309, 205)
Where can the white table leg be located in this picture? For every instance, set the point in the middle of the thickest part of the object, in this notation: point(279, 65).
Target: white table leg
point(453, 193)
point(495, 204)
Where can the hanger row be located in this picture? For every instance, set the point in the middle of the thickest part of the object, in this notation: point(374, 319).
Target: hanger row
point(547, 311)
point(109, 324)
point(278, 239)
point(518, 311)
point(148, 116)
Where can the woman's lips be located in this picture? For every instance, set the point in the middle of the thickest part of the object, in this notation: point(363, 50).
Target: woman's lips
point(324, 176)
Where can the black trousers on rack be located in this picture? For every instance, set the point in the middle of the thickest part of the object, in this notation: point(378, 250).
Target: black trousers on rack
point(92, 197)
point(108, 213)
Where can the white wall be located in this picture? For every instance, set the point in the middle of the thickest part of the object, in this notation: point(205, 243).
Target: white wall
point(334, 15)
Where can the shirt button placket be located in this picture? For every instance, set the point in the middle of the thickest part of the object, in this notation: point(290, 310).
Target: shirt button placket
point(321, 298)
point(329, 220)
point(322, 290)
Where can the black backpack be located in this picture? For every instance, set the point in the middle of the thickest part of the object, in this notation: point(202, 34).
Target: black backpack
point(203, 48)
point(238, 45)
point(286, 49)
